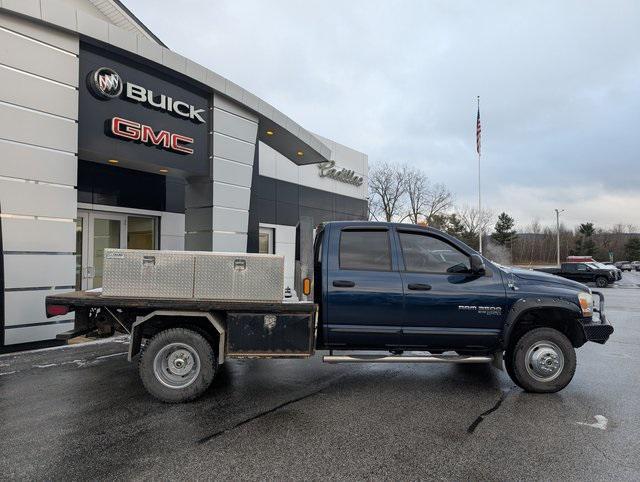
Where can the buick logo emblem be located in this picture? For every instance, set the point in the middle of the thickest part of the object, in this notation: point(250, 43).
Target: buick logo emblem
point(105, 83)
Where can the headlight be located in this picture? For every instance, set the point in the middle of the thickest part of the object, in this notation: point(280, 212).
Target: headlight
point(586, 303)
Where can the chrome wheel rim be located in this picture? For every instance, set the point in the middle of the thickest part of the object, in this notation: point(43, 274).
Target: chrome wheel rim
point(544, 361)
point(176, 365)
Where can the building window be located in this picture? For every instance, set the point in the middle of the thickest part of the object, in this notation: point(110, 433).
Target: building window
point(141, 232)
point(266, 244)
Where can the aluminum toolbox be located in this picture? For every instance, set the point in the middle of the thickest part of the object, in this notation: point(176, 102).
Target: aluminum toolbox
point(239, 276)
point(193, 274)
point(148, 274)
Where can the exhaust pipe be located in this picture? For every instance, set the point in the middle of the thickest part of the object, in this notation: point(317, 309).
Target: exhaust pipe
point(406, 359)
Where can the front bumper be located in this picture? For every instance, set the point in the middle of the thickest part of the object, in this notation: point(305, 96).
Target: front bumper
point(598, 329)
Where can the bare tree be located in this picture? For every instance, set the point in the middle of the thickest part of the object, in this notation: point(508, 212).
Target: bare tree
point(417, 193)
point(424, 200)
point(387, 188)
point(474, 220)
point(439, 200)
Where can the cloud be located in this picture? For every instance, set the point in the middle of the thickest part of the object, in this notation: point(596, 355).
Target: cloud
point(398, 80)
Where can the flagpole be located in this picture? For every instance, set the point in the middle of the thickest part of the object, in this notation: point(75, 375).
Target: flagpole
point(478, 149)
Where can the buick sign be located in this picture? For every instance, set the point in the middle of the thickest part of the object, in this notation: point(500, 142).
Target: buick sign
point(105, 83)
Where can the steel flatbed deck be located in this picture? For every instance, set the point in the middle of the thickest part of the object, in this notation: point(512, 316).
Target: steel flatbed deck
point(94, 299)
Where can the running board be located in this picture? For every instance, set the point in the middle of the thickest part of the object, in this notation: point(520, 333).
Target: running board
point(406, 359)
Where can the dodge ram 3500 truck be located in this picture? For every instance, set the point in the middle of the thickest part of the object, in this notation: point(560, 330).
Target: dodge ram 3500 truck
point(391, 288)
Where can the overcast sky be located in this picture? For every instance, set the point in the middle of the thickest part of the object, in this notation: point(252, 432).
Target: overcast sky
point(559, 83)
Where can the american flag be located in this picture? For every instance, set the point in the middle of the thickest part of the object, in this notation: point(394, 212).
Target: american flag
point(478, 129)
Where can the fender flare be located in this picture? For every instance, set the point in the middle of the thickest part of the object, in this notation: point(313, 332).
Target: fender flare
point(135, 339)
point(529, 303)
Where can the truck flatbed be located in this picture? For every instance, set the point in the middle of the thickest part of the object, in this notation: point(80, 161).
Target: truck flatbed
point(94, 299)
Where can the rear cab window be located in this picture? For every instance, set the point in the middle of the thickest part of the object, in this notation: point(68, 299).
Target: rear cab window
point(365, 250)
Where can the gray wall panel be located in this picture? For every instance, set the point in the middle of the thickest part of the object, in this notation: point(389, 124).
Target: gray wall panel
point(36, 58)
point(39, 94)
point(31, 127)
point(37, 164)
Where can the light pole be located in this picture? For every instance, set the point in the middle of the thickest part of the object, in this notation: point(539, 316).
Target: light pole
point(558, 211)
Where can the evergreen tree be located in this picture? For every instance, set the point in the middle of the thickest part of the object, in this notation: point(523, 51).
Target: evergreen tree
point(504, 233)
point(632, 249)
point(584, 244)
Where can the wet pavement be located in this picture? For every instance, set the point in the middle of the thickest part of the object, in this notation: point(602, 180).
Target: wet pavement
point(81, 413)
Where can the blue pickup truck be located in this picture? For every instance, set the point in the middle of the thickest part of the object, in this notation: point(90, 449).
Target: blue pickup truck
point(383, 293)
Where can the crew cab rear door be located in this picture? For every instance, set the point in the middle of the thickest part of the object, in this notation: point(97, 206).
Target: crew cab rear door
point(446, 306)
point(364, 289)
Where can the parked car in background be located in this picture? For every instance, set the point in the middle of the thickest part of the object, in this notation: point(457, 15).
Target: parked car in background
point(636, 265)
point(624, 265)
point(583, 273)
point(616, 272)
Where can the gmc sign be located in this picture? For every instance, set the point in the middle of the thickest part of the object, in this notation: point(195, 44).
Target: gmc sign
point(134, 131)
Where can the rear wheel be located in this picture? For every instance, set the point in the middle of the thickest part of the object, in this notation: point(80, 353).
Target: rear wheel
point(177, 365)
point(601, 282)
point(543, 360)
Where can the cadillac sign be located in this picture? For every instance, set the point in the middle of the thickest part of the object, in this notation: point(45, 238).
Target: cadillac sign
point(348, 176)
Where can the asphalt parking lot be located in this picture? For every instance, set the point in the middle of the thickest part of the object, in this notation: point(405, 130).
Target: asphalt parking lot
point(81, 413)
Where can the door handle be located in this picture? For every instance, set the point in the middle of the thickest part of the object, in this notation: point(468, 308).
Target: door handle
point(340, 283)
point(419, 287)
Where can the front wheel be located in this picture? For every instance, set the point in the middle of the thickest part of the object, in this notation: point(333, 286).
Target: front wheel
point(177, 365)
point(543, 360)
point(601, 282)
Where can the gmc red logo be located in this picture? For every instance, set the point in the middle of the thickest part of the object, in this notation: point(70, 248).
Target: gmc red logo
point(134, 131)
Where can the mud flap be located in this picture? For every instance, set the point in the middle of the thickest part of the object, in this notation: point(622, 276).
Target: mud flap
point(498, 360)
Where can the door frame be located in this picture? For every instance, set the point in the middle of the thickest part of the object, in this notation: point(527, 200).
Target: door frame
point(88, 240)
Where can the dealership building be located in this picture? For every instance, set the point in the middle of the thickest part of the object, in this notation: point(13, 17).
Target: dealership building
point(110, 139)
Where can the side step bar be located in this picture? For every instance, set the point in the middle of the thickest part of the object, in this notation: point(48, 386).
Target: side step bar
point(406, 359)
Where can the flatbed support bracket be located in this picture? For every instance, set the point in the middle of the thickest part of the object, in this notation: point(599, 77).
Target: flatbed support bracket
point(406, 359)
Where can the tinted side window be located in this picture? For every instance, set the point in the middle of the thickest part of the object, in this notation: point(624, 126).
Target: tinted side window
point(427, 254)
point(570, 268)
point(582, 267)
point(365, 250)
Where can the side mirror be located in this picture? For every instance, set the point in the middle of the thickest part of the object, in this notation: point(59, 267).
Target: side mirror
point(477, 264)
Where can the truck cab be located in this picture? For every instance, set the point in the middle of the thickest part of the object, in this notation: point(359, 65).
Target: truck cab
point(403, 287)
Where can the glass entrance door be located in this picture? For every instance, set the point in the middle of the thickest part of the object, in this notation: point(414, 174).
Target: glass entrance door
point(97, 231)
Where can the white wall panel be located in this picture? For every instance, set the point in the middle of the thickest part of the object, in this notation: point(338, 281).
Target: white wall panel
point(172, 243)
point(35, 333)
point(226, 104)
point(38, 164)
point(230, 220)
point(36, 93)
point(231, 196)
point(232, 172)
point(233, 149)
point(24, 54)
point(172, 224)
point(33, 199)
point(24, 307)
point(39, 270)
point(31, 127)
point(229, 242)
point(57, 38)
point(38, 235)
point(234, 125)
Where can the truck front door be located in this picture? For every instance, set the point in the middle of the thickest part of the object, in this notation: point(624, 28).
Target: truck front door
point(364, 289)
point(446, 306)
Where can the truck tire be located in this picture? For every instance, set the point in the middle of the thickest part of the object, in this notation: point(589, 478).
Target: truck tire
point(543, 360)
point(601, 282)
point(177, 365)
